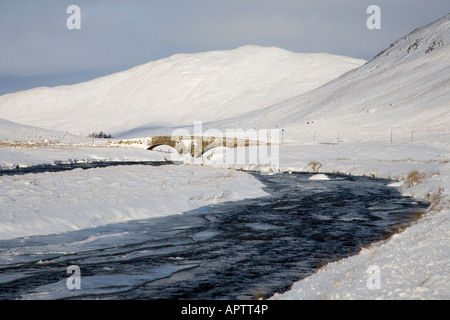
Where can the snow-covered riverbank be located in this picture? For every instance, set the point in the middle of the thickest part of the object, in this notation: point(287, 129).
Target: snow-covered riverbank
point(55, 202)
point(414, 263)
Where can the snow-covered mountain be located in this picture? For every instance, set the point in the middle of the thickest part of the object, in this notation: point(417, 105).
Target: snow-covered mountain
point(176, 91)
point(404, 88)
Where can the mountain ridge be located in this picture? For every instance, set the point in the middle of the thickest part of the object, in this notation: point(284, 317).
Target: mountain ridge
point(177, 90)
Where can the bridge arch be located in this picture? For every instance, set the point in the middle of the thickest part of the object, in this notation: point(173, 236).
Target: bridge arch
point(160, 147)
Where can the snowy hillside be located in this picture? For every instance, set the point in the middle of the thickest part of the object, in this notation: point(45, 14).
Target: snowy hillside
point(404, 88)
point(13, 132)
point(176, 91)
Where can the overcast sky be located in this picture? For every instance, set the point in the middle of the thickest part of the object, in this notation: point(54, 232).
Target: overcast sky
point(37, 48)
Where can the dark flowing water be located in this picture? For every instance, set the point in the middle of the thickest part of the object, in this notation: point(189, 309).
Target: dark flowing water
point(61, 166)
point(238, 250)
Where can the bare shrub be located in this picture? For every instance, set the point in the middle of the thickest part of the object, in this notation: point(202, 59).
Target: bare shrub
point(100, 134)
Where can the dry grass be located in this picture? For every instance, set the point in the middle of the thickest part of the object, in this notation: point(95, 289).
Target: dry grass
point(414, 178)
point(435, 199)
point(315, 166)
point(15, 144)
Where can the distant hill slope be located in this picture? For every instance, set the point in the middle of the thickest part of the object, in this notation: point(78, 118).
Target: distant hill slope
point(13, 132)
point(176, 91)
point(405, 87)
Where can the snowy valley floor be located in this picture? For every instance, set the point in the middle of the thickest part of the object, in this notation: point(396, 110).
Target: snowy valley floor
point(413, 264)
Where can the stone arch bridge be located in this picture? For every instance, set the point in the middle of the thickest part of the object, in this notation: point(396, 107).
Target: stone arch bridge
point(198, 145)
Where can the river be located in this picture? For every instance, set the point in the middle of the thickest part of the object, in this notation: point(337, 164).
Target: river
point(240, 250)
